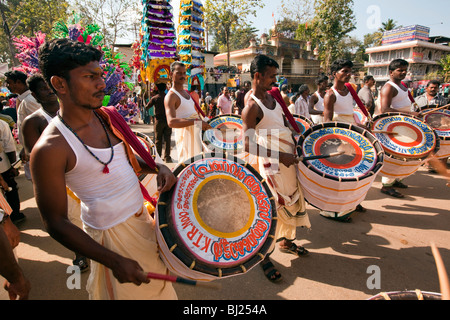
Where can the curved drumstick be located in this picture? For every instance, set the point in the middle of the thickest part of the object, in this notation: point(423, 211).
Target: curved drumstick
point(443, 277)
point(335, 154)
point(157, 276)
point(425, 112)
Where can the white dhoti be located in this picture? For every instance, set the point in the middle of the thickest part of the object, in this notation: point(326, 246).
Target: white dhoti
point(134, 239)
point(188, 141)
point(284, 185)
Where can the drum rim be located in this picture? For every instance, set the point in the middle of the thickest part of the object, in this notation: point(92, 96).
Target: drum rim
point(399, 157)
point(380, 153)
point(407, 293)
point(171, 239)
point(152, 148)
point(208, 143)
point(442, 111)
point(303, 118)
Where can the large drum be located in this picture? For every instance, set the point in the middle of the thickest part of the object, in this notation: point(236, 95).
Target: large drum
point(339, 183)
point(407, 142)
point(218, 220)
point(303, 123)
point(227, 134)
point(360, 116)
point(439, 120)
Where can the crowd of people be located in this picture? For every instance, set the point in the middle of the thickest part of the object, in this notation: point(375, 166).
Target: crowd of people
point(76, 151)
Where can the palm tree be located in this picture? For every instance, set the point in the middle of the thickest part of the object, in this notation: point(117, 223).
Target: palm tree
point(390, 24)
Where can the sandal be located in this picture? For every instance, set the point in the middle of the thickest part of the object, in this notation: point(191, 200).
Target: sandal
point(399, 184)
point(295, 250)
point(345, 219)
point(392, 192)
point(360, 208)
point(270, 272)
point(81, 263)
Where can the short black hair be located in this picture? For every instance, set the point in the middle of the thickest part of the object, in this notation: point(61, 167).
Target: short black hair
point(16, 75)
point(322, 79)
point(435, 82)
point(175, 64)
point(32, 81)
point(58, 57)
point(340, 64)
point(397, 63)
point(368, 78)
point(161, 87)
point(260, 63)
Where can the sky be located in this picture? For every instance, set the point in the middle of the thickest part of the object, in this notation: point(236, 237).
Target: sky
point(369, 15)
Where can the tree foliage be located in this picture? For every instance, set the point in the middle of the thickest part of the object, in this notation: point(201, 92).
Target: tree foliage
point(25, 18)
point(228, 18)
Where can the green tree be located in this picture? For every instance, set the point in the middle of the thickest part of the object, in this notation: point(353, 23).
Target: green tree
point(390, 24)
point(227, 17)
point(26, 18)
point(445, 65)
point(333, 21)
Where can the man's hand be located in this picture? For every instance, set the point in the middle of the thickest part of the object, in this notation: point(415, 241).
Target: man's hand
point(129, 271)
point(288, 159)
point(20, 288)
point(206, 126)
point(165, 179)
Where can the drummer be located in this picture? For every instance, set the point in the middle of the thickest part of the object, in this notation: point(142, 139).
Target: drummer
point(394, 98)
point(278, 162)
point(431, 97)
point(316, 101)
point(338, 106)
point(183, 117)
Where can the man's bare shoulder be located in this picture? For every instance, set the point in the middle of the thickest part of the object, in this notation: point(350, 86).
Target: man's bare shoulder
point(51, 141)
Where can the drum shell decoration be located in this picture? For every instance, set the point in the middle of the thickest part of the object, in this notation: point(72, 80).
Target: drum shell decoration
point(336, 193)
point(303, 123)
point(362, 118)
point(193, 248)
point(443, 134)
point(404, 162)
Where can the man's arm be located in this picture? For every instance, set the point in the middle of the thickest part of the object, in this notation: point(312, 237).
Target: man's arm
point(171, 103)
point(30, 133)
point(312, 102)
point(49, 159)
point(17, 285)
point(165, 177)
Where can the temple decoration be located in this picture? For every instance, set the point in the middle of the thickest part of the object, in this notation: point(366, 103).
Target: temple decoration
point(191, 42)
point(158, 41)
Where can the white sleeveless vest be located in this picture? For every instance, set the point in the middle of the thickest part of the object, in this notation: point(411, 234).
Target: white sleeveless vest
point(106, 199)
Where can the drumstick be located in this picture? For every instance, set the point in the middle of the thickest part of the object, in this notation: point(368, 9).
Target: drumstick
point(443, 277)
point(209, 285)
point(335, 154)
point(424, 112)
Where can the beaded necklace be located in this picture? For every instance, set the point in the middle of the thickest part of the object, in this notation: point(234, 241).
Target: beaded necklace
point(105, 169)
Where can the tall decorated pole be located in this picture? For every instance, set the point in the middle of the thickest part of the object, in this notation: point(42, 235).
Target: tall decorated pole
point(191, 42)
point(158, 41)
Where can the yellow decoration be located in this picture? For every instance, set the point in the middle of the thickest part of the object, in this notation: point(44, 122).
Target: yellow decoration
point(149, 206)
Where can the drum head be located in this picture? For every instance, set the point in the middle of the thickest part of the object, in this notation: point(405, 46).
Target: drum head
point(303, 123)
point(147, 143)
point(440, 121)
point(363, 155)
point(219, 216)
point(414, 139)
point(227, 134)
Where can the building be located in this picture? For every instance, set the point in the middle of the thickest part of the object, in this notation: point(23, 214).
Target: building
point(298, 63)
point(412, 44)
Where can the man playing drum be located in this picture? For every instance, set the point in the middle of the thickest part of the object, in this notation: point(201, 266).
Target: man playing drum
point(268, 136)
point(182, 116)
point(80, 148)
point(394, 98)
point(338, 106)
